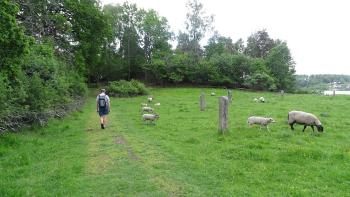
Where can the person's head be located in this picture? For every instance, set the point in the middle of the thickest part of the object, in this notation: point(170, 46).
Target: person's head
point(103, 90)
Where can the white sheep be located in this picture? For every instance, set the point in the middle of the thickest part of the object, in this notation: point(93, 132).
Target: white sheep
point(305, 119)
point(147, 109)
point(212, 94)
point(256, 100)
point(157, 104)
point(144, 105)
point(150, 117)
point(262, 121)
point(150, 99)
point(262, 100)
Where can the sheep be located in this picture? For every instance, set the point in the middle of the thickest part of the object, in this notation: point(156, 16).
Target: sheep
point(147, 109)
point(212, 94)
point(150, 99)
point(262, 121)
point(157, 104)
point(305, 119)
point(150, 117)
point(144, 105)
point(262, 100)
point(256, 100)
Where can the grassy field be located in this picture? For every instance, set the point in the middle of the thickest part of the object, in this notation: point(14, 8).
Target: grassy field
point(183, 154)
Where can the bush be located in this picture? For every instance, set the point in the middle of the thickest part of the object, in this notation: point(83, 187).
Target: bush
point(124, 88)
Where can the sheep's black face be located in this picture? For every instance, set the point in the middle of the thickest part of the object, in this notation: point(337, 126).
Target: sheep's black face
point(320, 128)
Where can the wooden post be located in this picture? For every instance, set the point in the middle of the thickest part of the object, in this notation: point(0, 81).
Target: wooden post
point(202, 101)
point(282, 93)
point(333, 92)
point(223, 114)
point(229, 95)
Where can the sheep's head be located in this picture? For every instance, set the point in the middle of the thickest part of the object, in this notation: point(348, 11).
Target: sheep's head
point(272, 120)
point(156, 116)
point(319, 128)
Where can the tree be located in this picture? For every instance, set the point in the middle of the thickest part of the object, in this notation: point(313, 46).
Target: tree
point(218, 44)
point(197, 24)
point(282, 66)
point(155, 34)
point(259, 44)
point(13, 42)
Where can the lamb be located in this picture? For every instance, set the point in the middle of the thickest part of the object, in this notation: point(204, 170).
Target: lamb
point(150, 99)
point(150, 117)
point(262, 121)
point(305, 119)
point(262, 100)
point(147, 109)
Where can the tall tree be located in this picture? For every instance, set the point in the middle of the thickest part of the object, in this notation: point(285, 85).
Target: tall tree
point(155, 33)
point(13, 42)
point(197, 24)
point(259, 44)
point(218, 44)
point(282, 66)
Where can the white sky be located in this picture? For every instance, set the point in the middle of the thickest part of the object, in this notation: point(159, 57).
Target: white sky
point(317, 31)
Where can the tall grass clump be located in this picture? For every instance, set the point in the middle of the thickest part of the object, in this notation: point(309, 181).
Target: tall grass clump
point(124, 88)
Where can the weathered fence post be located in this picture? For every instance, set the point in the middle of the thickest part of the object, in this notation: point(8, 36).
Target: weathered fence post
point(333, 92)
point(223, 114)
point(229, 95)
point(282, 93)
point(202, 101)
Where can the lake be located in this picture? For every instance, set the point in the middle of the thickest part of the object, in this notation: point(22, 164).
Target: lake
point(330, 92)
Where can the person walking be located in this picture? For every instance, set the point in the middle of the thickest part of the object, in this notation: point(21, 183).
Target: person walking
point(103, 106)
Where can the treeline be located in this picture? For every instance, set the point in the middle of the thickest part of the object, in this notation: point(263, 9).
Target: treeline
point(49, 50)
point(321, 82)
point(140, 49)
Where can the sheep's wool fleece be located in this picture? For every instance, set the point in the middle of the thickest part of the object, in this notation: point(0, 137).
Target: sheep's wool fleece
point(149, 116)
point(258, 120)
point(303, 118)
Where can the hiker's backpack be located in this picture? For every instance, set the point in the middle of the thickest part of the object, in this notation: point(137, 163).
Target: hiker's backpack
point(102, 101)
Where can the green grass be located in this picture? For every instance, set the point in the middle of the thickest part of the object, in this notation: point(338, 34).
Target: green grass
point(183, 154)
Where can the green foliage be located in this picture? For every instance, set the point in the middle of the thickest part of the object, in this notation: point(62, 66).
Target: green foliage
point(13, 42)
point(281, 65)
point(260, 81)
point(124, 88)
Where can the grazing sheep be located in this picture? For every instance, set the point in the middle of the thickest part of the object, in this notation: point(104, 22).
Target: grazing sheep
point(150, 99)
point(147, 109)
point(256, 100)
point(212, 94)
point(157, 104)
point(262, 121)
point(262, 100)
point(305, 119)
point(150, 117)
point(144, 105)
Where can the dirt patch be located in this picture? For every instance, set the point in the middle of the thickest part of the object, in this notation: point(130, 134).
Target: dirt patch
point(121, 140)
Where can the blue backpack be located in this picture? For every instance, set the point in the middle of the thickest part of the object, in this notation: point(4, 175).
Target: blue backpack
point(102, 101)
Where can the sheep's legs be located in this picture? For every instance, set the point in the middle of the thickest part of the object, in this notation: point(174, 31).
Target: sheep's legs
point(267, 127)
point(304, 127)
point(312, 126)
point(291, 126)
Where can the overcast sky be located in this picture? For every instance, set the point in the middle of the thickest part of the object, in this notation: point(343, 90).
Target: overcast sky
point(317, 31)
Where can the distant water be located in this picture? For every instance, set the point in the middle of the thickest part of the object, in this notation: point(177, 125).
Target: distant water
point(330, 92)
